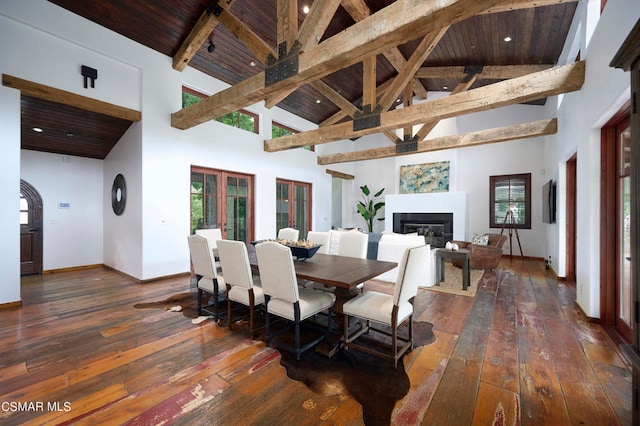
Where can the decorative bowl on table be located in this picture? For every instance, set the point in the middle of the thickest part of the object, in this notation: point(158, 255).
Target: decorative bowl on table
point(301, 250)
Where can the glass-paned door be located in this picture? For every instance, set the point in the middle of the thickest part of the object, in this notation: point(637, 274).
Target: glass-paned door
point(237, 224)
point(283, 205)
point(224, 200)
point(293, 206)
point(624, 294)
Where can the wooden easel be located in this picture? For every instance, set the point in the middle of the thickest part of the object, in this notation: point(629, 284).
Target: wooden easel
point(512, 226)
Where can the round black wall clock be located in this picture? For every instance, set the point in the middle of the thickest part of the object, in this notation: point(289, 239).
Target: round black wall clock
point(118, 195)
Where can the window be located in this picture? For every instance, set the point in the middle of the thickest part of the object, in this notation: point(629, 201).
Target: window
point(278, 130)
point(24, 210)
point(242, 119)
point(510, 193)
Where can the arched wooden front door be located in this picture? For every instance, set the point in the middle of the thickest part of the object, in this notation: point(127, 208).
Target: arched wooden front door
point(30, 230)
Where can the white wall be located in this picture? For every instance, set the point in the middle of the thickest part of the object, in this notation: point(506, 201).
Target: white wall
point(70, 236)
point(581, 115)
point(10, 194)
point(471, 167)
point(46, 44)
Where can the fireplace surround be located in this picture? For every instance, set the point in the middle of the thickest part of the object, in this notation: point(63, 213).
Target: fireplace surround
point(437, 228)
point(450, 202)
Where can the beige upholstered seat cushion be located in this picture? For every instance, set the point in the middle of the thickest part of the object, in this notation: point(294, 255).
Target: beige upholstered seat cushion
point(241, 295)
point(207, 284)
point(375, 306)
point(311, 302)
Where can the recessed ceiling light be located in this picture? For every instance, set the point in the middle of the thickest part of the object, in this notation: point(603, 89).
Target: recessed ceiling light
point(507, 39)
point(305, 9)
point(445, 87)
point(398, 100)
point(69, 134)
point(37, 130)
point(317, 101)
point(252, 63)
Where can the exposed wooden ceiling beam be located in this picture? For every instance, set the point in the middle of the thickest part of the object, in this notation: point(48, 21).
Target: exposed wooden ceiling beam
point(405, 75)
point(401, 21)
point(313, 26)
point(316, 22)
point(396, 59)
point(460, 87)
point(48, 93)
point(407, 101)
point(359, 10)
point(369, 81)
point(490, 72)
point(380, 90)
point(335, 97)
point(199, 33)
point(527, 88)
point(482, 137)
point(287, 15)
point(339, 175)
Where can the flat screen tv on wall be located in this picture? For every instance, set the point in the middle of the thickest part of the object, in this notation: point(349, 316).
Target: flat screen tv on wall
point(549, 202)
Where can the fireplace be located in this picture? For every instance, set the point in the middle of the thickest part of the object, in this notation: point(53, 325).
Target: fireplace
point(437, 228)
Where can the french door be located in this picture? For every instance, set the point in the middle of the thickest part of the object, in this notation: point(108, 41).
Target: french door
point(623, 255)
point(224, 200)
point(293, 206)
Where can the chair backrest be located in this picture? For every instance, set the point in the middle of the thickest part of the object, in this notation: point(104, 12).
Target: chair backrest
point(318, 237)
point(277, 273)
point(391, 249)
point(334, 240)
point(354, 244)
point(411, 272)
point(212, 235)
point(200, 257)
point(234, 260)
point(288, 234)
point(496, 240)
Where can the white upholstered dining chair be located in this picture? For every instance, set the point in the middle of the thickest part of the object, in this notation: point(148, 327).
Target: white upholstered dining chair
point(322, 238)
point(205, 270)
point(213, 235)
point(353, 243)
point(283, 297)
point(391, 249)
point(389, 310)
point(241, 284)
point(288, 234)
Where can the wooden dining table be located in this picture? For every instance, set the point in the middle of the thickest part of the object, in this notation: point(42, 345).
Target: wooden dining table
point(342, 272)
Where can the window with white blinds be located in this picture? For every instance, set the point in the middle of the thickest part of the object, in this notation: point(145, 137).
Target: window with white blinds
point(510, 201)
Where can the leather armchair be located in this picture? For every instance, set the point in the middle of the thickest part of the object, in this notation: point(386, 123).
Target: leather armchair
point(483, 257)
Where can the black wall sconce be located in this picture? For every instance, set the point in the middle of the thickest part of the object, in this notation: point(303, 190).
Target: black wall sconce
point(211, 47)
point(89, 74)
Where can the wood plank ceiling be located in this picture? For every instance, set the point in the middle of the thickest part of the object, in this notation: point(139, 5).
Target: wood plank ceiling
point(537, 36)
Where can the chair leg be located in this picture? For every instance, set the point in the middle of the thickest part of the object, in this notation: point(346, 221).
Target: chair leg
point(229, 319)
point(251, 309)
point(296, 313)
point(267, 324)
point(199, 302)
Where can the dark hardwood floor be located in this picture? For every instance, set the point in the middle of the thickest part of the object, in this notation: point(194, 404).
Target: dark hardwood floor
point(519, 353)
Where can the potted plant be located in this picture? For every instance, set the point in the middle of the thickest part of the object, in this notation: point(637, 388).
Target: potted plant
point(370, 206)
